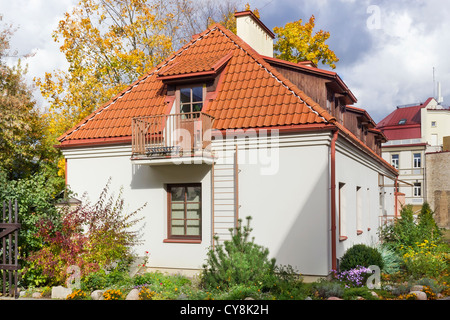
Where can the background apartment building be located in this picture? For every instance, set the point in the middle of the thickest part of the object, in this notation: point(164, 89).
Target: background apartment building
point(418, 147)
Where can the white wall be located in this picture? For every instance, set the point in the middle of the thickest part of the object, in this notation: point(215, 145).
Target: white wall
point(441, 118)
point(289, 204)
point(285, 188)
point(406, 171)
point(358, 170)
point(89, 171)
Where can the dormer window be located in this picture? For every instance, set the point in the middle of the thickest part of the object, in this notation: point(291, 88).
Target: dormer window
point(191, 99)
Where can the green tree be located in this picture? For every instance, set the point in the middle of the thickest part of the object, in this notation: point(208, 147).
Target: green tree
point(427, 225)
point(296, 42)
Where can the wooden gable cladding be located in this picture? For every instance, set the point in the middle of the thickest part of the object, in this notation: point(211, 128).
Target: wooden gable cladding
point(324, 87)
point(329, 91)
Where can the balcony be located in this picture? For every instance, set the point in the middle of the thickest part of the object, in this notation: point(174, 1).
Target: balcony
point(183, 138)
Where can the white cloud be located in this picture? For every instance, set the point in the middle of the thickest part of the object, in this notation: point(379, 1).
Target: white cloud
point(399, 68)
point(35, 21)
point(384, 67)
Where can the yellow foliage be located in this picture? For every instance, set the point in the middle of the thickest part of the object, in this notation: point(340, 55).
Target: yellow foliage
point(108, 44)
point(62, 167)
point(296, 42)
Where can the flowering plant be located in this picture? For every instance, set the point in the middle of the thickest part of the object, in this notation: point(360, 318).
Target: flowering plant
point(112, 294)
point(424, 259)
point(356, 277)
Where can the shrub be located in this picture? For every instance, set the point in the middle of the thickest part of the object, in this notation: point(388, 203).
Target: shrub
point(406, 231)
point(326, 289)
point(94, 281)
point(354, 293)
point(240, 292)
point(425, 259)
point(427, 225)
point(90, 237)
point(238, 262)
point(392, 261)
point(361, 255)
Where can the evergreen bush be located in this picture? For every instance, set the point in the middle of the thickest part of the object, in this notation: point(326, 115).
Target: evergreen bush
point(361, 255)
point(238, 261)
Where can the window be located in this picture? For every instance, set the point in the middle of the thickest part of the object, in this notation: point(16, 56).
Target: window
point(402, 121)
point(417, 189)
point(342, 212)
point(359, 209)
point(433, 124)
point(434, 140)
point(184, 212)
point(394, 160)
point(417, 160)
point(191, 99)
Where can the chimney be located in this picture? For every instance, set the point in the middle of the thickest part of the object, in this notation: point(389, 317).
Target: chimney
point(254, 32)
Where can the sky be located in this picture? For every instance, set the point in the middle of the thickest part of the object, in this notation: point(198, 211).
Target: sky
point(391, 52)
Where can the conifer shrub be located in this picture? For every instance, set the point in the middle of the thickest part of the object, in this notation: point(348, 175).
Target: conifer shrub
point(361, 255)
point(238, 261)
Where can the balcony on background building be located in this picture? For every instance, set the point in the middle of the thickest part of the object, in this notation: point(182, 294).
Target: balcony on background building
point(183, 138)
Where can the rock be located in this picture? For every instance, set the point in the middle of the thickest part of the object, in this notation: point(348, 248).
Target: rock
point(416, 288)
point(36, 295)
point(334, 298)
point(308, 298)
point(419, 295)
point(374, 294)
point(133, 295)
point(182, 296)
point(97, 295)
point(249, 298)
point(60, 292)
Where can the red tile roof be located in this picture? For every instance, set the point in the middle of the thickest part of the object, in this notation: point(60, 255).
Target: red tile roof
point(250, 93)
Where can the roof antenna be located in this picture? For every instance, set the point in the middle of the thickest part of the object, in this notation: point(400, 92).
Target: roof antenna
point(434, 85)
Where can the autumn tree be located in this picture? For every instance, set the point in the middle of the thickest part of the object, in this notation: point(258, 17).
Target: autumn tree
point(296, 42)
point(23, 149)
point(108, 45)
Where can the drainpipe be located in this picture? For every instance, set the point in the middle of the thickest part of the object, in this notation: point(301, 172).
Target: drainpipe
point(333, 200)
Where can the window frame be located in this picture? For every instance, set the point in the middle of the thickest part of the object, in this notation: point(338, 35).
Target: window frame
point(396, 166)
point(417, 190)
point(419, 161)
point(183, 238)
point(342, 212)
point(191, 103)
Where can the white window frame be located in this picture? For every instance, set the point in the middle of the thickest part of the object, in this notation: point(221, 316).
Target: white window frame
point(395, 163)
point(417, 190)
point(415, 164)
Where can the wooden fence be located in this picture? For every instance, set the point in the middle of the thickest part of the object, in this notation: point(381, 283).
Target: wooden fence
point(9, 242)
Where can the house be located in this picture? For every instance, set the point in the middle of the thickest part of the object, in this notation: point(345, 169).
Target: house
point(416, 134)
point(222, 130)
